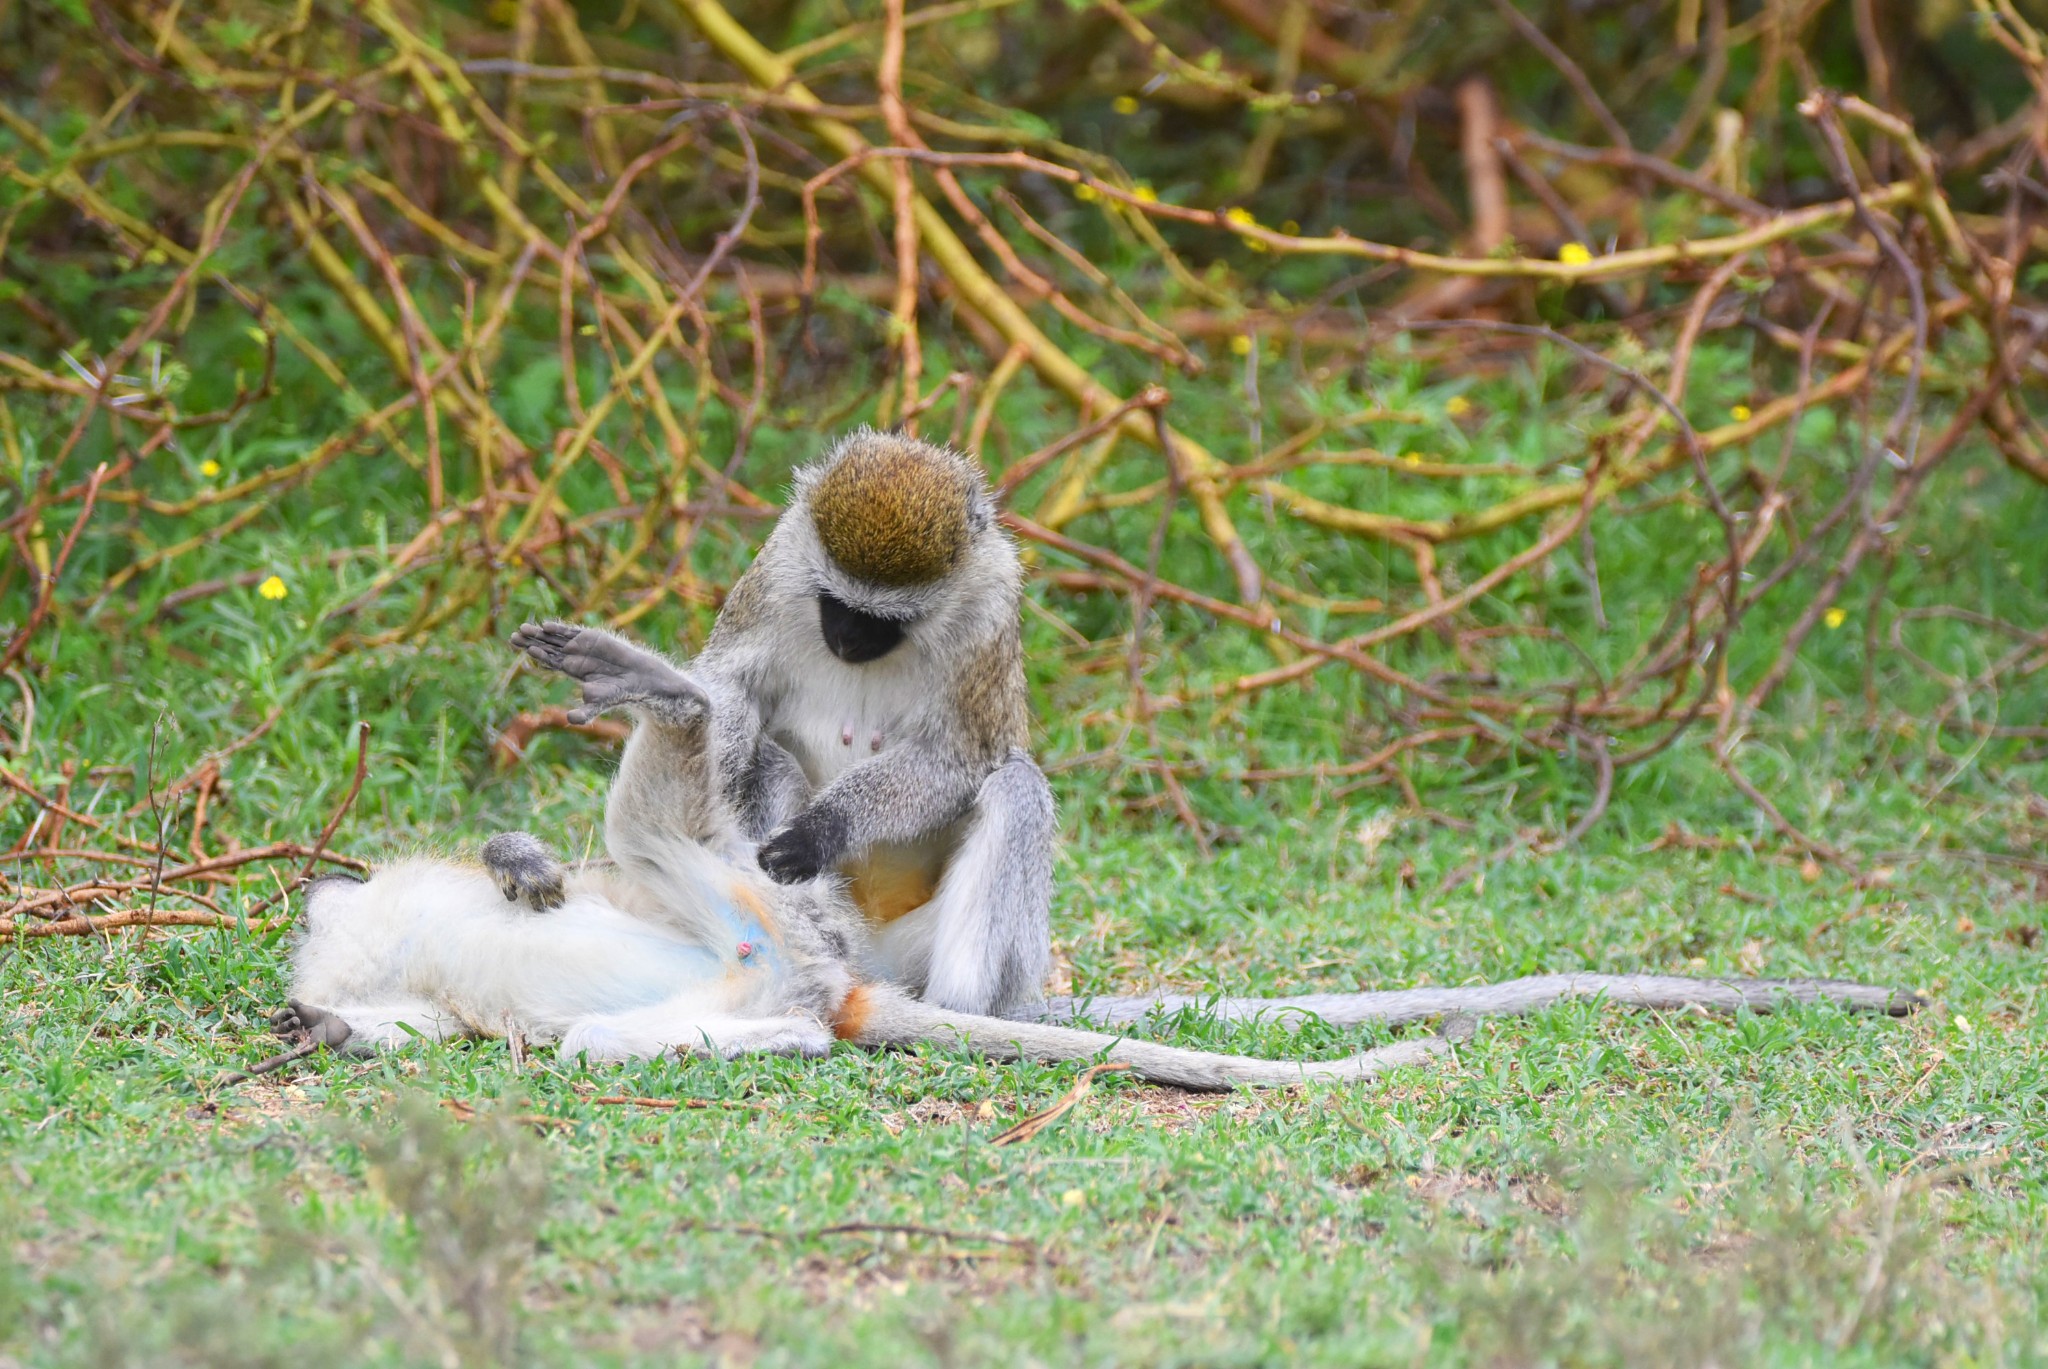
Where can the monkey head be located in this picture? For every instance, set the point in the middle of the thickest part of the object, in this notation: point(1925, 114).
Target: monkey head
point(898, 524)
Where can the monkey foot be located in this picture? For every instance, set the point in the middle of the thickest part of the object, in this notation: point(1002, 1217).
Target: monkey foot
point(298, 1021)
point(526, 873)
point(612, 672)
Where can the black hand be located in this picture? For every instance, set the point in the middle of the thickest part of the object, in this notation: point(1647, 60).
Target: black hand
point(806, 848)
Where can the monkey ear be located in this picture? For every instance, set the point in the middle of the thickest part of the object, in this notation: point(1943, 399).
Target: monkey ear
point(981, 509)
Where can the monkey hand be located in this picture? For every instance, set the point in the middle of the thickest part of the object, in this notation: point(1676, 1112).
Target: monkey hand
point(612, 672)
point(806, 848)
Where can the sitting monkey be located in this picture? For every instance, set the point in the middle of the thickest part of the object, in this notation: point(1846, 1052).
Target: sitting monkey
point(867, 674)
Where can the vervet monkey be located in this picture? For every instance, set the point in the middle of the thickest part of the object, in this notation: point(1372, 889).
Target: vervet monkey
point(867, 677)
point(678, 943)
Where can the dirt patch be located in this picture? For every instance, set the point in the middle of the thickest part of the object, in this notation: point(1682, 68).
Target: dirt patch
point(258, 1101)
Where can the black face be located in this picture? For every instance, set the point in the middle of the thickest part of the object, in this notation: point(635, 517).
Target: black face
point(855, 637)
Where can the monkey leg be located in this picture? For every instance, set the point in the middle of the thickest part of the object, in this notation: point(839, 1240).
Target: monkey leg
point(365, 1027)
point(667, 785)
point(981, 945)
point(527, 872)
point(679, 1027)
point(666, 791)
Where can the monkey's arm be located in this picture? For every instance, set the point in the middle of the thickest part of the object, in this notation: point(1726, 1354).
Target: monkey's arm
point(898, 796)
point(1394, 1007)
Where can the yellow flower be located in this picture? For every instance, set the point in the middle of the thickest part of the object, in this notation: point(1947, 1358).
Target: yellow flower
point(1740, 413)
point(209, 468)
point(1124, 104)
point(1457, 406)
point(272, 589)
point(1836, 617)
point(1087, 192)
point(1143, 193)
point(1574, 254)
point(1240, 216)
point(1413, 459)
point(1073, 1197)
point(1962, 1023)
point(1242, 344)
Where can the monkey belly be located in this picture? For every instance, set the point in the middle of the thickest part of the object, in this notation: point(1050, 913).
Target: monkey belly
point(889, 881)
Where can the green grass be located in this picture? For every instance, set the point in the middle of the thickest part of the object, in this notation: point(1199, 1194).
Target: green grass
point(1588, 1185)
point(1584, 1186)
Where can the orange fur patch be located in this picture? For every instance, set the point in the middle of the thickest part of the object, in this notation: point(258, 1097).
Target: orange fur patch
point(748, 899)
point(884, 889)
point(853, 1014)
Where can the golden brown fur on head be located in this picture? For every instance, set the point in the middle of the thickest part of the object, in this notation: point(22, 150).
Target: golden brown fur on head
point(893, 510)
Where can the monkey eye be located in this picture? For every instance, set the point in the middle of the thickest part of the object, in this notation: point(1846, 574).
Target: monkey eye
point(854, 636)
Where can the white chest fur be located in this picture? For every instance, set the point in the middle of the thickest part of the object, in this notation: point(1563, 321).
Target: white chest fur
point(842, 714)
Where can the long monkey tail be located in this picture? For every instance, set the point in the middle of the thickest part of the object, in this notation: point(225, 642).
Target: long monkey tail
point(878, 1015)
point(1395, 1007)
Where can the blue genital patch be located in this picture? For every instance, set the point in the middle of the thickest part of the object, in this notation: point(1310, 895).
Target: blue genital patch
point(749, 946)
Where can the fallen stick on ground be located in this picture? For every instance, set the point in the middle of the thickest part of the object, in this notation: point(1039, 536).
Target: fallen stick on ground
point(1030, 1126)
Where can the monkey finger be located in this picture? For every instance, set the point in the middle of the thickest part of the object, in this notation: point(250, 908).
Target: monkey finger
point(552, 630)
point(542, 654)
point(545, 642)
point(527, 636)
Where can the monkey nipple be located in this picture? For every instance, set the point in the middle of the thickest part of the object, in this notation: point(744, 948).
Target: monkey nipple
point(846, 734)
point(746, 948)
point(875, 742)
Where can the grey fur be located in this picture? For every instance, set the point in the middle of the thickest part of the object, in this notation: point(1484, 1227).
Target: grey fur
point(526, 871)
point(1398, 1007)
point(991, 938)
point(663, 814)
point(895, 1019)
point(827, 764)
